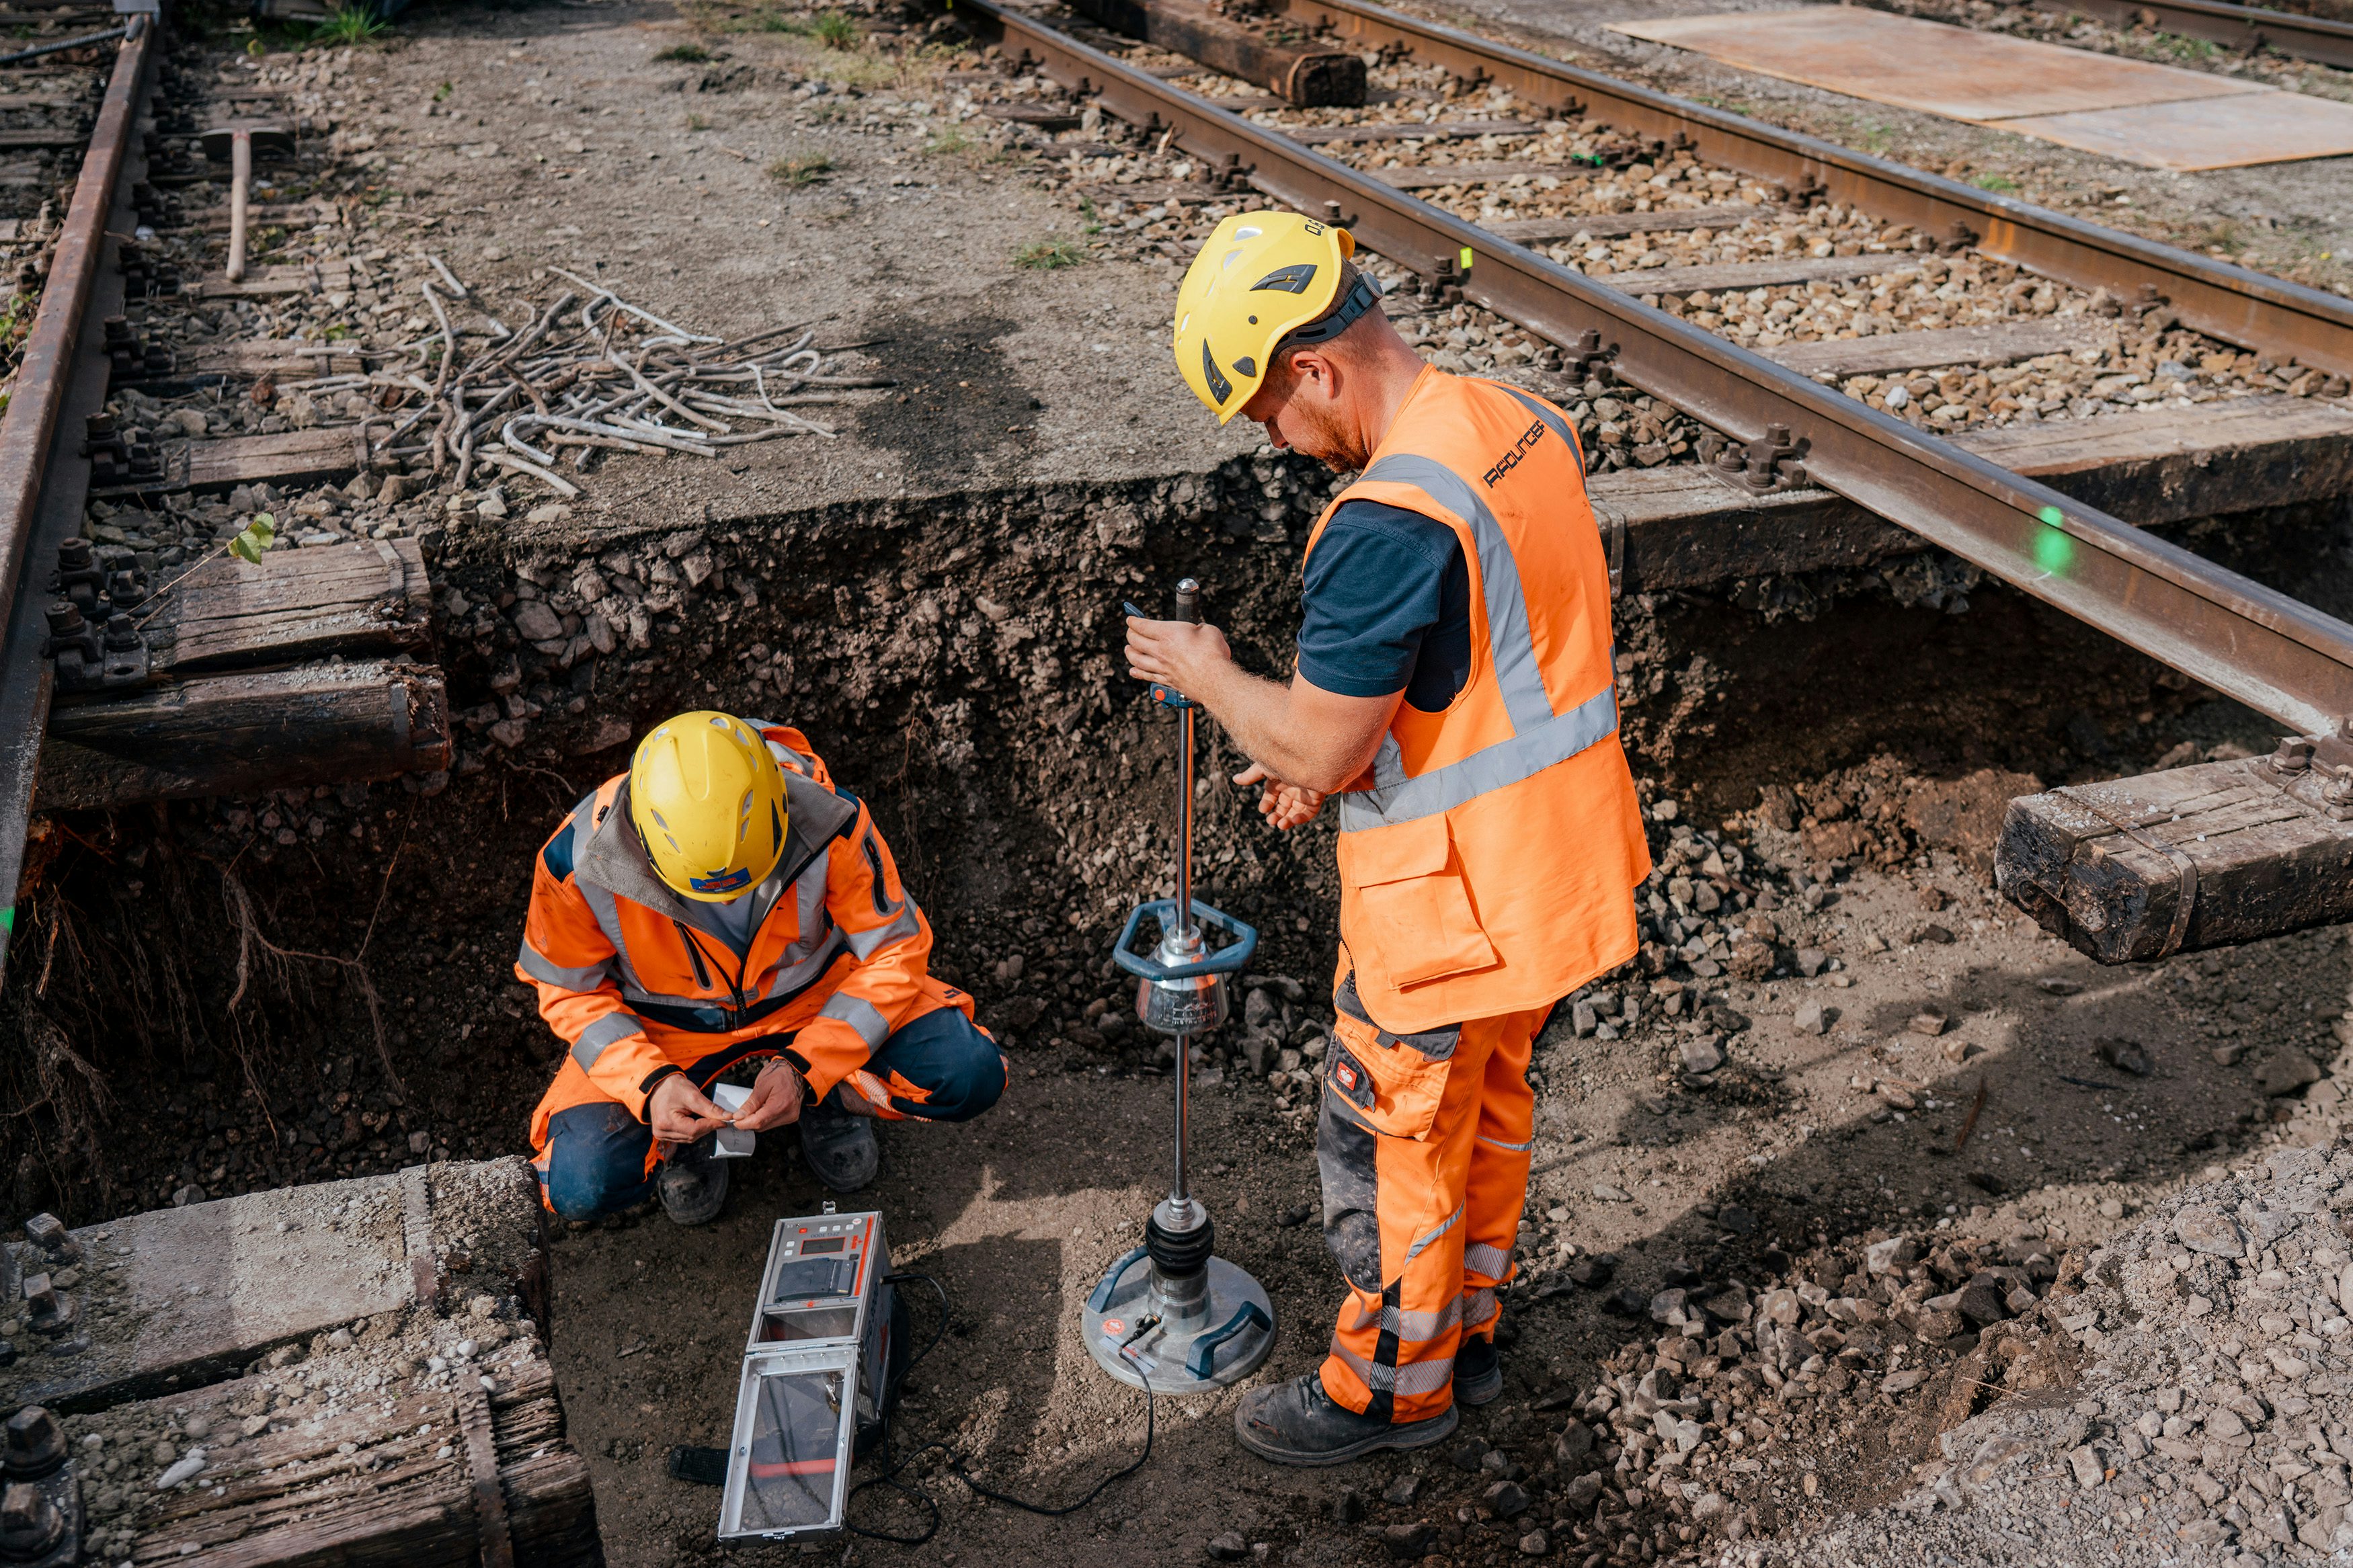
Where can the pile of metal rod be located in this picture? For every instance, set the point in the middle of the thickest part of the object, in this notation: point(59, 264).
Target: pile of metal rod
point(590, 373)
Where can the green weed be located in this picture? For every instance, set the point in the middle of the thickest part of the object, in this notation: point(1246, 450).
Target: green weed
point(835, 30)
point(806, 170)
point(349, 24)
point(698, 122)
point(1999, 184)
point(685, 54)
point(441, 94)
point(1049, 255)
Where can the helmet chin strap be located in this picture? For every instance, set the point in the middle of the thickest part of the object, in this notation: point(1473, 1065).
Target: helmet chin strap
point(1359, 299)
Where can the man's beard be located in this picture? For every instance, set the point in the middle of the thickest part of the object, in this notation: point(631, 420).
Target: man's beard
point(1329, 441)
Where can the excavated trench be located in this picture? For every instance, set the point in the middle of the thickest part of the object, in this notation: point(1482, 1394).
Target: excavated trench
point(220, 995)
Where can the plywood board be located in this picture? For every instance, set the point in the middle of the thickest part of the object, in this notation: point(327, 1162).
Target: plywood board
point(2206, 134)
point(1927, 66)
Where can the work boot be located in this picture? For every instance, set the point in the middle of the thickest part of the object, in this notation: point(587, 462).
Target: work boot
point(839, 1143)
point(1478, 1370)
point(1296, 1423)
point(692, 1184)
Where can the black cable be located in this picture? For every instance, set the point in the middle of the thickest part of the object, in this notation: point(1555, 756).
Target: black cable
point(893, 1468)
point(890, 1467)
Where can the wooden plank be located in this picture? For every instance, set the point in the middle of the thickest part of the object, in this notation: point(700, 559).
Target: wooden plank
point(197, 1293)
point(1452, 130)
point(1039, 115)
point(1431, 176)
point(2000, 343)
point(1740, 276)
point(1611, 225)
point(278, 281)
point(365, 598)
point(30, 136)
point(387, 1481)
point(272, 215)
point(2102, 865)
point(329, 453)
point(2162, 466)
point(1685, 529)
point(277, 357)
point(1152, 192)
point(1303, 74)
point(240, 734)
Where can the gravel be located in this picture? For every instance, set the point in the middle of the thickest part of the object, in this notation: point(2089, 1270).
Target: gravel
point(1928, 283)
point(2206, 1418)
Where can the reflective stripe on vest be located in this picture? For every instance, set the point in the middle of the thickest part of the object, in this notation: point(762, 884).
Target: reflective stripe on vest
point(1540, 738)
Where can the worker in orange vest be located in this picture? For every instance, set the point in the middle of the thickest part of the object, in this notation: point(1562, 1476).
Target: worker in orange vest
point(724, 906)
point(1454, 697)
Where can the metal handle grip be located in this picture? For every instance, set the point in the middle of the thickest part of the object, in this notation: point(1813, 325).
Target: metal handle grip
point(1225, 961)
point(1205, 1349)
point(1188, 601)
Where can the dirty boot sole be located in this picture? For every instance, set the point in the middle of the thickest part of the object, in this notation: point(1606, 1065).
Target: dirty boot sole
point(693, 1198)
point(842, 1151)
point(1411, 1435)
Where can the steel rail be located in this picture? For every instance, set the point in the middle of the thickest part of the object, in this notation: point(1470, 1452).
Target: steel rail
point(2287, 320)
point(32, 431)
point(2276, 655)
point(2250, 26)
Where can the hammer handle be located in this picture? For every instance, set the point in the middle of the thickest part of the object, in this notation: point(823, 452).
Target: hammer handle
point(240, 184)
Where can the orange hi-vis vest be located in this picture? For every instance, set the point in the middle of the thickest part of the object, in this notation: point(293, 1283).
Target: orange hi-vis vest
point(1489, 854)
point(642, 984)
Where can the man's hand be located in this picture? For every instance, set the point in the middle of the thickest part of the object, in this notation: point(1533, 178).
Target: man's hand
point(679, 1113)
point(1178, 654)
point(1283, 804)
point(777, 1097)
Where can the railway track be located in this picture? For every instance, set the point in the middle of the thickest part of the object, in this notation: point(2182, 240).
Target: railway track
point(60, 379)
point(1787, 427)
point(2316, 38)
point(140, 662)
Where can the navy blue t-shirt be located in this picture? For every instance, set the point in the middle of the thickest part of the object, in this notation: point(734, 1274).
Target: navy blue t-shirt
point(1387, 603)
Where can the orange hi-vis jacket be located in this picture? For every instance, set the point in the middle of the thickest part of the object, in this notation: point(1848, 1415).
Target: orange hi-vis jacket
point(1489, 854)
point(641, 984)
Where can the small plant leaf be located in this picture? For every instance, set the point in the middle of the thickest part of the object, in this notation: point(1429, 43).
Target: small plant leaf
point(254, 538)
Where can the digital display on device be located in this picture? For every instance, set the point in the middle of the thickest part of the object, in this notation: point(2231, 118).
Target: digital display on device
point(823, 1244)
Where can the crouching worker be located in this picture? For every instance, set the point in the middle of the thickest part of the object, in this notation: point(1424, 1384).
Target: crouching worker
point(722, 903)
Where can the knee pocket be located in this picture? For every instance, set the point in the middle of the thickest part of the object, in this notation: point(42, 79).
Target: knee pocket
point(972, 1084)
point(1355, 1239)
point(595, 1159)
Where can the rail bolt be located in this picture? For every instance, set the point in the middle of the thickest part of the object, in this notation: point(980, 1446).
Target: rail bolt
point(34, 1445)
point(31, 1525)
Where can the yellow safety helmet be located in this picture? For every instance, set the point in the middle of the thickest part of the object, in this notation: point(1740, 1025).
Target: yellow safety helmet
point(1260, 278)
point(709, 801)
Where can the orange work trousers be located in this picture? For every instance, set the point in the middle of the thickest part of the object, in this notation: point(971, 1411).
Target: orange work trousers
point(1422, 1146)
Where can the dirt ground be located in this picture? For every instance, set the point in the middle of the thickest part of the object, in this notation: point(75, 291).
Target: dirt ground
point(1019, 1215)
point(1890, 720)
